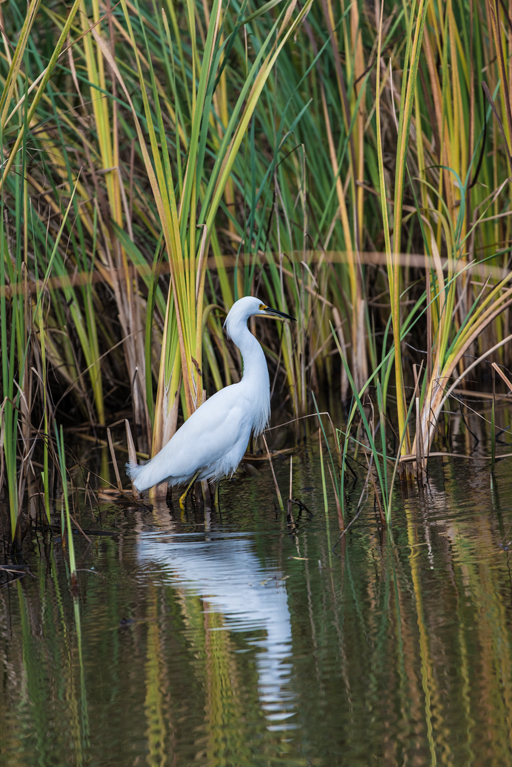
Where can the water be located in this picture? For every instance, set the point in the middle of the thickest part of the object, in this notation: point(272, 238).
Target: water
point(227, 640)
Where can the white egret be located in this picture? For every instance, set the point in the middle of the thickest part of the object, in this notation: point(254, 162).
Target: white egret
point(212, 442)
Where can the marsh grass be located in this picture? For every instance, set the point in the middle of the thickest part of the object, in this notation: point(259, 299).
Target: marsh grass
point(343, 162)
point(65, 512)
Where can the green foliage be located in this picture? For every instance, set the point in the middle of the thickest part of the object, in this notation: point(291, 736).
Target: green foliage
point(159, 163)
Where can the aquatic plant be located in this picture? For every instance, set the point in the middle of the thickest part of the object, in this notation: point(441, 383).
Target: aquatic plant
point(343, 162)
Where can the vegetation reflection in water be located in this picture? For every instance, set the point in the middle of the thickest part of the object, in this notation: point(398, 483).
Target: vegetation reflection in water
point(229, 642)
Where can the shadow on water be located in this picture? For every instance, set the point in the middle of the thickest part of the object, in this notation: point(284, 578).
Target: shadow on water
point(225, 640)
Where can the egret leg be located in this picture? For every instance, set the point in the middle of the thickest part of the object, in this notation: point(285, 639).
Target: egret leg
point(183, 498)
point(216, 500)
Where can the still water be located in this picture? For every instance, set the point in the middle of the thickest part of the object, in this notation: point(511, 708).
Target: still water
point(228, 639)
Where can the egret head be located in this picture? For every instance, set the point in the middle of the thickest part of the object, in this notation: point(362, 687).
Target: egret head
point(250, 307)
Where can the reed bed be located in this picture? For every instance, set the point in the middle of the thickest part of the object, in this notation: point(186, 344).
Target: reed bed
point(348, 163)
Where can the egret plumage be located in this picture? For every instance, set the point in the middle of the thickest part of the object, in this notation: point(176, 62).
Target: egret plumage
point(212, 442)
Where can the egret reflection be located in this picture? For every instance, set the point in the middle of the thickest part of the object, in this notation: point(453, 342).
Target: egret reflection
point(223, 569)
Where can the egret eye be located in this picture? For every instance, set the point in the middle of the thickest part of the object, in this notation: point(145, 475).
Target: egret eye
point(262, 306)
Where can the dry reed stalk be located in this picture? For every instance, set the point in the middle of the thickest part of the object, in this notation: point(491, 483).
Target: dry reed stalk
point(502, 375)
point(278, 492)
point(132, 455)
point(114, 461)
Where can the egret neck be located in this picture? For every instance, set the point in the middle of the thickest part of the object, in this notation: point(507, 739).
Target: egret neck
point(255, 379)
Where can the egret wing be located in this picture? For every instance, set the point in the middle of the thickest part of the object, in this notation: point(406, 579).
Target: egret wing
point(217, 428)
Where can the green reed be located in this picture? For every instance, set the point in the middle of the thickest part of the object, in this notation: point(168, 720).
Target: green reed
point(159, 163)
point(65, 512)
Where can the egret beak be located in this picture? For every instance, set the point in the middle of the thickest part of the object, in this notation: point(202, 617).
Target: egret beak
point(276, 313)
